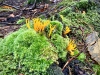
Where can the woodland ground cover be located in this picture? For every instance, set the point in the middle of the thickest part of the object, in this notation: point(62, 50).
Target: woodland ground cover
point(53, 44)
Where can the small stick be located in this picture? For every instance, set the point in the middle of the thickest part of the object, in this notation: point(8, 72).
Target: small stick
point(11, 6)
point(6, 23)
point(71, 60)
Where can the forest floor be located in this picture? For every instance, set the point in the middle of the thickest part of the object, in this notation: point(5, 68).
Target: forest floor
point(12, 11)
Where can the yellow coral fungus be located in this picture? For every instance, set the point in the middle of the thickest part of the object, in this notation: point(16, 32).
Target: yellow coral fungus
point(51, 29)
point(67, 30)
point(40, 25)
point(71, 47)
point(6, 7)
point(62, 17)
point(28, 23)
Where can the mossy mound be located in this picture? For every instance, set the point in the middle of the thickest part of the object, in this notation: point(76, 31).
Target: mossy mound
point(60, 44)
point(32, 52)
point(30, 49)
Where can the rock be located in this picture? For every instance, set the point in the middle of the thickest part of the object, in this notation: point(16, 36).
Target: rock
point(93, 42)
point(54, 69)
point(92, 38)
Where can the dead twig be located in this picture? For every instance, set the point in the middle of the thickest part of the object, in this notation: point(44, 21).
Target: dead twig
point(69, 70)
point(11, 6)
point(71, 60)
point(6, 23)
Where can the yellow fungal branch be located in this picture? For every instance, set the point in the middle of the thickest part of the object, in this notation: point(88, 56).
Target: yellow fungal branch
point(67, 30)
point(6, 7)
point(62, 17)
point(28, 23)
point(71, 47)
point(39, 25)
point(51, 29)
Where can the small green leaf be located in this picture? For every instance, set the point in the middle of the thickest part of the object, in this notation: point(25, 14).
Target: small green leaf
point(76, 52)
point(81, 57)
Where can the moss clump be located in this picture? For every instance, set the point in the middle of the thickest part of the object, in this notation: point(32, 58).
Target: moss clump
point(60, 44)
point(9, 42)
point(93, 18)
point(29, 44)
point(32, 52)
point(29, 52)
point(85, 5)
point(66, 11)
point(58, 27)
point(1, 45)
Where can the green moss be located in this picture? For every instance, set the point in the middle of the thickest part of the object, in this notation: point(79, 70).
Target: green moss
point(94, 20)
point(1, 46)
point(66, 11)
point(87, 21)
point(96, 68)
point(34, 51)
point(85, 5)
point(28, 50)
point(21, 21)
point(59, 27)
point(60, 43)
point(9, 42)
point(66, 3)
point(1, 41)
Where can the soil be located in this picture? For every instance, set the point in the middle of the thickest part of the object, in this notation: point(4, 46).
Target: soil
point(22, 10)
point(7, 29)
